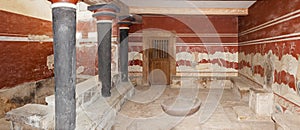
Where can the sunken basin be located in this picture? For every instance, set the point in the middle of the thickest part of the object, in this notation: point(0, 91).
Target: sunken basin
point(179, 106)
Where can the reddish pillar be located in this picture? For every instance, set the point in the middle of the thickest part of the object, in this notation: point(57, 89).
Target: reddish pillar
point(104, 14)
point(64, 30)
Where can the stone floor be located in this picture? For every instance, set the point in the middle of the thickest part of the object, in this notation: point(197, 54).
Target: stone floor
point(221, 109)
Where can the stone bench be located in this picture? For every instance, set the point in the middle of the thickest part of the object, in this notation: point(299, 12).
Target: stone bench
point(242, 87)
point(199, 81)
point(92, 110)
point(240, 84)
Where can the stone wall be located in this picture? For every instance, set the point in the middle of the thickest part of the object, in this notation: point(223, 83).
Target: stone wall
point(31, 92)
point(26, 61)
point(269, 50)
point(25, 47)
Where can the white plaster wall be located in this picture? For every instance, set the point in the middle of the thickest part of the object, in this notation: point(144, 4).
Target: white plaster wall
point(135, 56)
point(83, 14)
point(227, 56)
point(34, 8)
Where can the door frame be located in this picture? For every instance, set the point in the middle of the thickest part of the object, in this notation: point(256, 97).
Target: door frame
point(148, 36)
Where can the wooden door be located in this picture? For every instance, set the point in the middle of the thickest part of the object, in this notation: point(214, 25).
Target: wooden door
point(159, 61)
point(158, 57)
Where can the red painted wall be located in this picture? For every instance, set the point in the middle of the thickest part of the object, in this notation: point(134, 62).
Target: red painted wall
point(12, 24)
point(87, 57)
point(271, 30)
point(23, 61)
point(192, 25)
point(196, 24)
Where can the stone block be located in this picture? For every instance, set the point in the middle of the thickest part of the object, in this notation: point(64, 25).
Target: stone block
point(261, 101)
point(31, 115)
point(30, 92)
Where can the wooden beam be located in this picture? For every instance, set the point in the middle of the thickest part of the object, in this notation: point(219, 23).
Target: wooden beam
point(189, 11)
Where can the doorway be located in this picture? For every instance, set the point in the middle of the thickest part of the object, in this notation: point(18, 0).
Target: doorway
point(159, 58)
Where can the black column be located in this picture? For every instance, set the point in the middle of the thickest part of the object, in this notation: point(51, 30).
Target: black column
point(124, 54)
point(104, 13)
point(104, 56)
point(64, 28)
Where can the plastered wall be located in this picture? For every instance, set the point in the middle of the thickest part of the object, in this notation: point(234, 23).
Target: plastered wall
point(269, 48)
point(203, 43)
point(40, 9)
point(24, 48)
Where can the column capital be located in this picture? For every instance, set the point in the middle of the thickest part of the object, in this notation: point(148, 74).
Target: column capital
point(65, 1)
point(125, 21)
point(124, 24)
point(104, 12)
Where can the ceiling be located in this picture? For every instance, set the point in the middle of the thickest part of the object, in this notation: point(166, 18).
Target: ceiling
point(188, 7)
point(189, 3)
